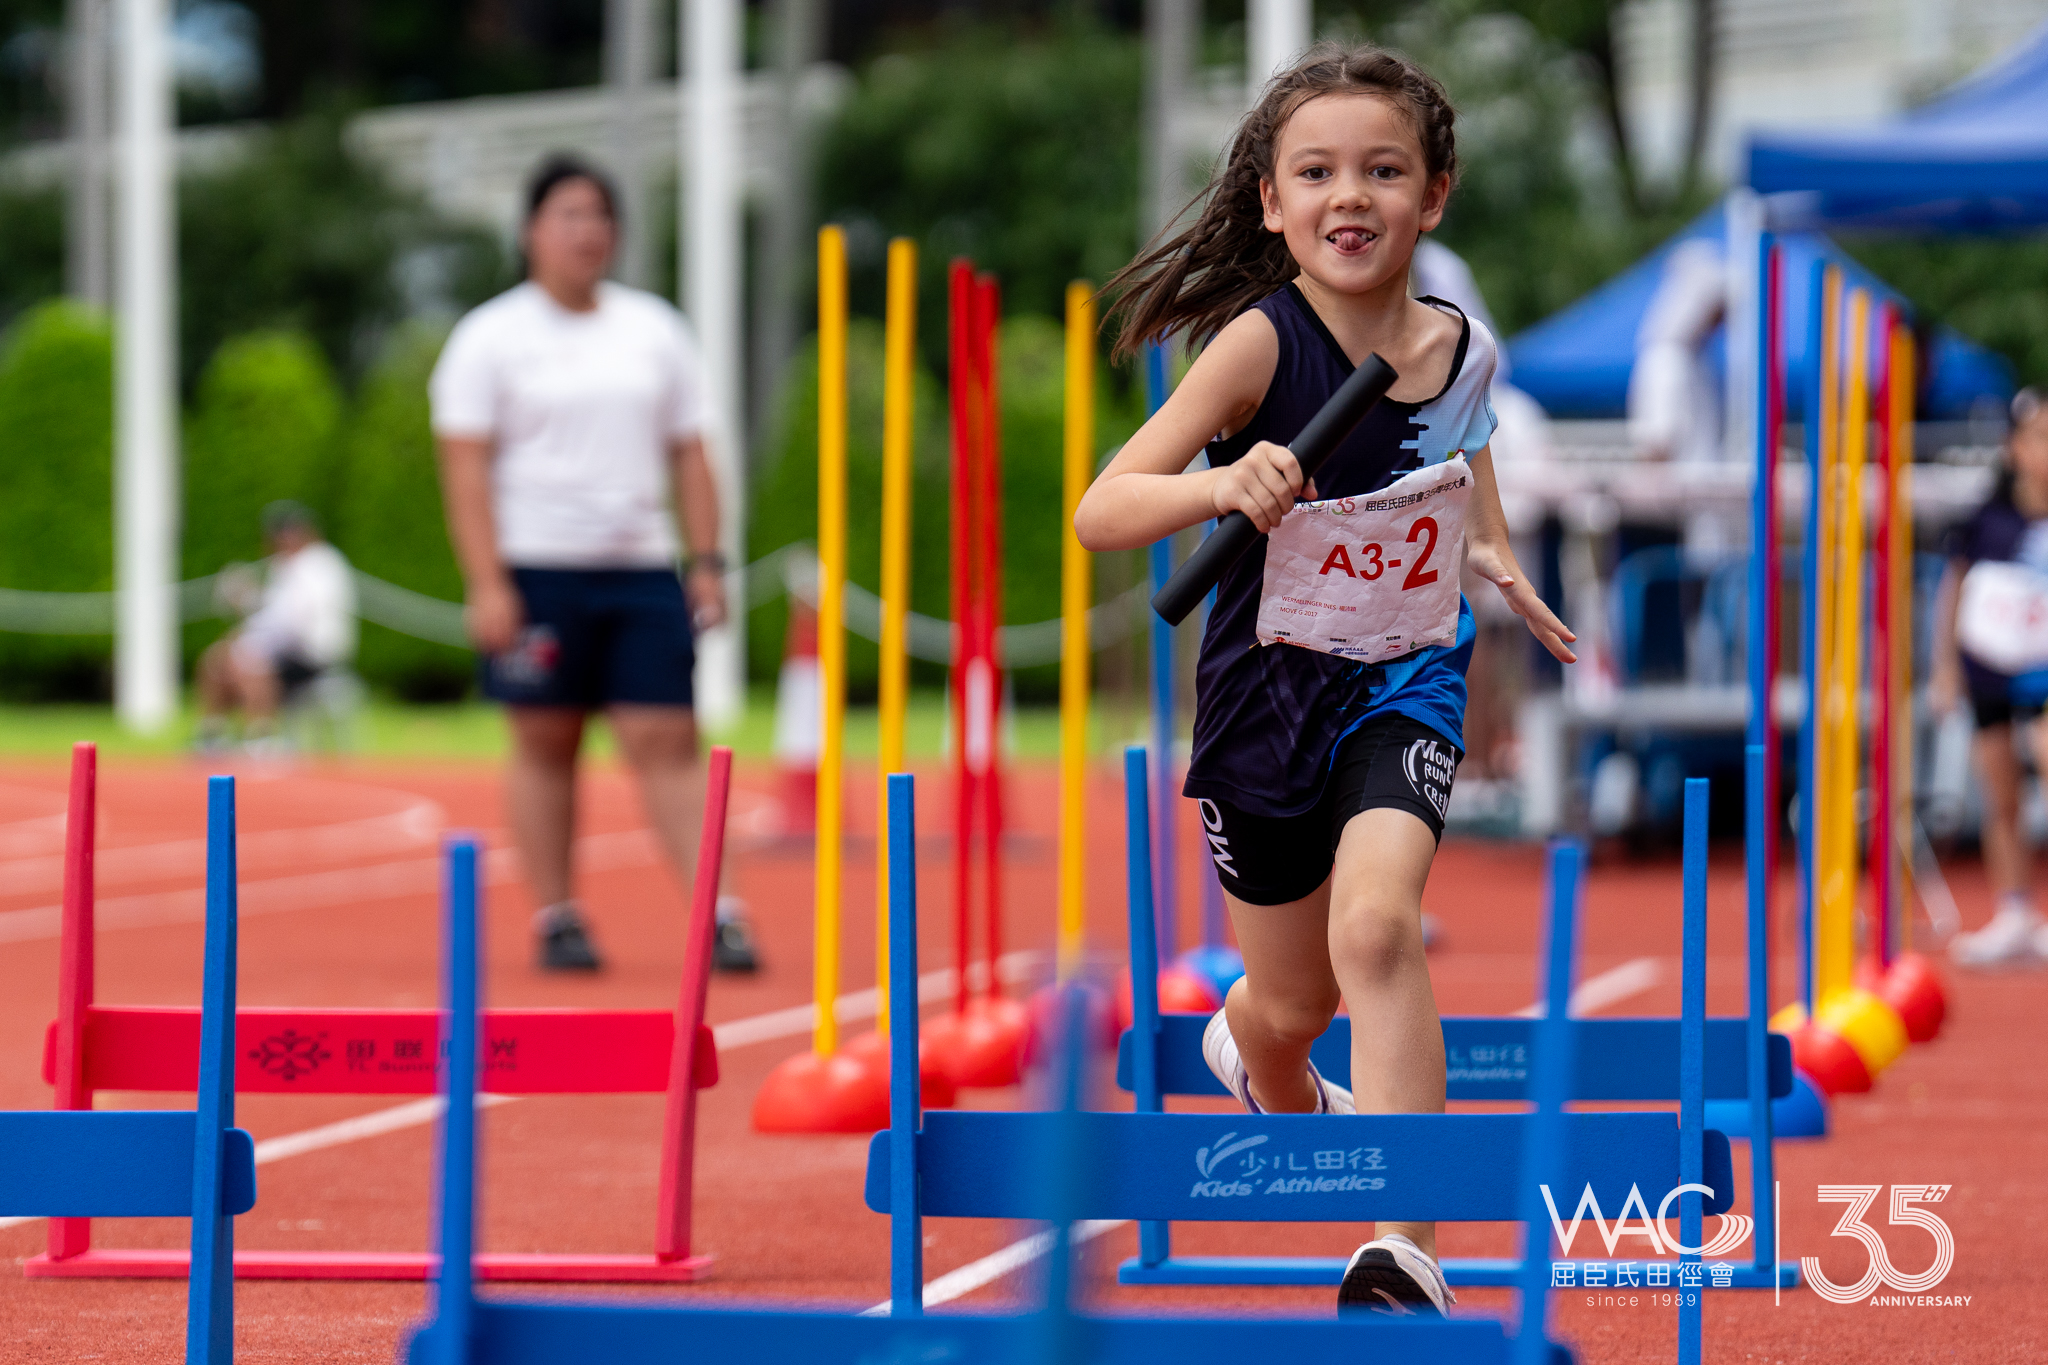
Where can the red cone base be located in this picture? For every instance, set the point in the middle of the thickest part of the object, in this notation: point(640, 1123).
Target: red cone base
point(1180, 992)
point(871, 1050)
point(808, 1093)
point(1828, 1058)
point(1047, 1019)
point(982, 1048)
point(1913, 988)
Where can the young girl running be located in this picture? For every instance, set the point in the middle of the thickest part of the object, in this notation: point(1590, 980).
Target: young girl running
point(1322, 770)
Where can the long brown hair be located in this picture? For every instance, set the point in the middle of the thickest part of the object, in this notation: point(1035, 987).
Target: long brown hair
point(1198, 280)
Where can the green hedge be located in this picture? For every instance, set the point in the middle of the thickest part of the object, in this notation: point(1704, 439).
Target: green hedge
point(264, 427)
point(388, 520)
point(57, 515)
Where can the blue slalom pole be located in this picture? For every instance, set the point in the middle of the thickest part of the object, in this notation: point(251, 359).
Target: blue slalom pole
point(906, 1220)
point(1163, 726)
point(1761, 532)
point(1550, 1086)
point(210, 1296)
point(455, 1310)
point(1692, 1030)
point(1154, 1238)
point(1762, 1157)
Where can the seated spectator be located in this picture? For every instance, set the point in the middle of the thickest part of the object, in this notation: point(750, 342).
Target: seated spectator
point(303, 626)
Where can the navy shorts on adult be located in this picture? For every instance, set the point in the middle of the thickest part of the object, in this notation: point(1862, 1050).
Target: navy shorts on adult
point(1392, 761)
point(595, 637)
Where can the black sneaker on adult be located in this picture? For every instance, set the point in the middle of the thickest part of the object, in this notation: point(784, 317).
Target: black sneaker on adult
point(565, 941)
point(732, 944)
point(1394, 1278)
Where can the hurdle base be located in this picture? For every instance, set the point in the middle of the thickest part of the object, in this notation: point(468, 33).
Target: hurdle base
point(541, 1267)
point(1329, 1271)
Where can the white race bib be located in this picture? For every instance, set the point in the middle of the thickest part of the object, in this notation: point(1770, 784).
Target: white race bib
point(2002, 617)
point(1374, 577)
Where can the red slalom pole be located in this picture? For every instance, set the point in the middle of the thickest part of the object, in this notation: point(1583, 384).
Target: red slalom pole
point(988, 312)
point(961, 395)
point(1880, 655)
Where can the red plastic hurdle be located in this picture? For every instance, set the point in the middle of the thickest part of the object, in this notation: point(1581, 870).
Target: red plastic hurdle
point(389, 1052)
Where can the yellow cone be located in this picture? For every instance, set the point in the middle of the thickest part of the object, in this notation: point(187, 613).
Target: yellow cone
point(1867, 1024)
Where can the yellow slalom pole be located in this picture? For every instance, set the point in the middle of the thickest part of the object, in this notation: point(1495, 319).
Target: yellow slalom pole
point(1835, 962)
point(1079, 460)
point(831, 628)
point(899, 356)
point(1829, 484)
point(1904, 383)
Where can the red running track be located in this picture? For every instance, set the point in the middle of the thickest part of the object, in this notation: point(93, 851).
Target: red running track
point(338, 899)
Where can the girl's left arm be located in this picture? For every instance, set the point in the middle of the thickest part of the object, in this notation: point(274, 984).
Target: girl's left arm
point(1490, 555)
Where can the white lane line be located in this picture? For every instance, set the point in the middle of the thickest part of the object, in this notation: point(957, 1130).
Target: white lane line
point(392, 1120)
point(956, 1284)
point(858, 1005)
point(412, 827)
point(1608, 988)
point(319, 890)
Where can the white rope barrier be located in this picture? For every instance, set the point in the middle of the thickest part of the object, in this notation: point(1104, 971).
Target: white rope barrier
point(793, 569)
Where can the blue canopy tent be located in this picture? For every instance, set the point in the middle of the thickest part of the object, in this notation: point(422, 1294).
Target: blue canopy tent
point(1576, 362)
point(1973, 160)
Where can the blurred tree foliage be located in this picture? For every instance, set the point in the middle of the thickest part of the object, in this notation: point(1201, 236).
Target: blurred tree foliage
point(31, 248)
point(1014, 149)
point(300, 233)
point(1993, 290)
point(297, 234)
point(57, 516)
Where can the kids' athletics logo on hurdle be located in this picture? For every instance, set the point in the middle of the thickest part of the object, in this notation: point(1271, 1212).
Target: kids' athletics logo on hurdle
point(1247, 1170)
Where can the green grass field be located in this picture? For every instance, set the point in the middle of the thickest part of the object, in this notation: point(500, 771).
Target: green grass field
point(475, 730)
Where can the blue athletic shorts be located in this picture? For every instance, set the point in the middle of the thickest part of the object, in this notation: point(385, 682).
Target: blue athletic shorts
point(594, 637)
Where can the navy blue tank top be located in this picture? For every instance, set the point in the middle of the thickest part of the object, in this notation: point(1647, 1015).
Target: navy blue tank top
point(1268, 718)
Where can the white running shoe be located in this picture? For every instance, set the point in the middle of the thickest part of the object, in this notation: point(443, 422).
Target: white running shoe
point(1219, 1050)
point(2011, 939)
point(1393, 1277)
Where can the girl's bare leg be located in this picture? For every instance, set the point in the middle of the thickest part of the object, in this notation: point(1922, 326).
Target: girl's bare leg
point(1375, 946)
point(1363, 942)
point(1286, 997)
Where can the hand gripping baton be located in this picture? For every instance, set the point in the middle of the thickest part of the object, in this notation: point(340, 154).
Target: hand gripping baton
point(1235, 534)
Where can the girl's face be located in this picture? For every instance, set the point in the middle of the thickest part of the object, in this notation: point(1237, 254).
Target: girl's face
point(2029, 443)
point(1351, 192)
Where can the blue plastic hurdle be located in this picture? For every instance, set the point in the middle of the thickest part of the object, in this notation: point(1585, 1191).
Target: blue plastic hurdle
point(1493, 1059)
point(468, 1330)
point(161, 1163)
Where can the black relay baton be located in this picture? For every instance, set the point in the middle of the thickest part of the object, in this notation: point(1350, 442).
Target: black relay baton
point(1235, 534)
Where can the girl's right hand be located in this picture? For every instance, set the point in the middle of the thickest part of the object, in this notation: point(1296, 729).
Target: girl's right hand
point(1263, 484)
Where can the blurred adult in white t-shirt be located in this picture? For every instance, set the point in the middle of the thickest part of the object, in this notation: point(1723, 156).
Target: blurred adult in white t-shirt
point(303, 625)
point(569, 412)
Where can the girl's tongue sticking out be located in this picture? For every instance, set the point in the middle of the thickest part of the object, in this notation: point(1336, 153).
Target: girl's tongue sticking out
point(1351, 240)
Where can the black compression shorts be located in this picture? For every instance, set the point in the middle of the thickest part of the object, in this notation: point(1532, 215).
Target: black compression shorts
point(1391, 761)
